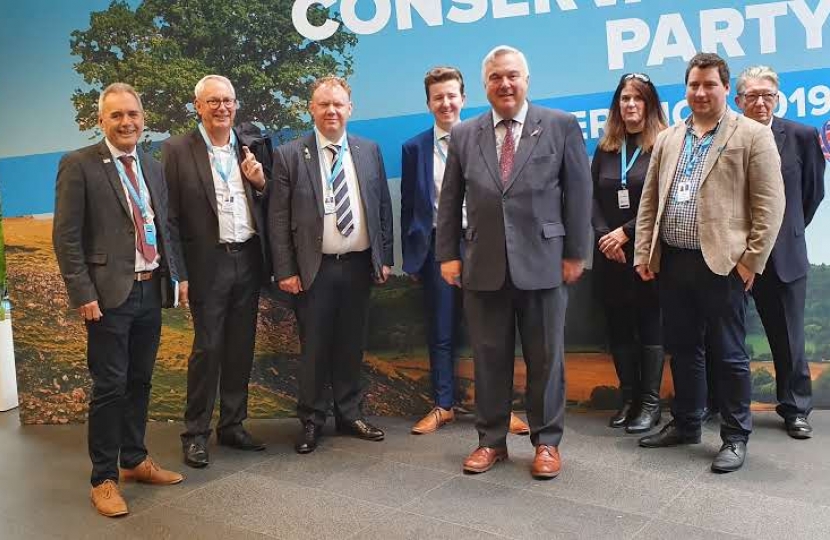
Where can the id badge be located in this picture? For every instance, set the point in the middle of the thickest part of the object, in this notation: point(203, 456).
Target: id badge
point(227, 204)
point(329, 206)
point(150, 234)
point(622, 199)
point(684, 192)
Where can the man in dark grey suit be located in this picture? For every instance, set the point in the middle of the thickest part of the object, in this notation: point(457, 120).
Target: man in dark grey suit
point(330, 224)
point(216, 188)
point(111, 242)
point(526, 178)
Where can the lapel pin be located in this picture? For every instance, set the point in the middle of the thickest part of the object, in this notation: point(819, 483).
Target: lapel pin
point(306, 154)
point(535, 132)
point(107, 160)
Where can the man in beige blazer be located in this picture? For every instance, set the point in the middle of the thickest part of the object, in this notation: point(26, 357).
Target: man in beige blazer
point(711, 207)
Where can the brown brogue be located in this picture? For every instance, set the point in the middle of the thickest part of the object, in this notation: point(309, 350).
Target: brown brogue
point(483, 458)
point(547, 462)
point(436, 418)
point(108, 500)
point(518, 426)
point(148, 472)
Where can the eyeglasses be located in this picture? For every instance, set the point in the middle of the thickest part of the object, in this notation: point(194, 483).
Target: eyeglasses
point(214, 103)
point(768, 97)
point(639, 76)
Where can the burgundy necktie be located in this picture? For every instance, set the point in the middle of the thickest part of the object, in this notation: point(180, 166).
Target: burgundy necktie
point(508, 148)
point(147, 251)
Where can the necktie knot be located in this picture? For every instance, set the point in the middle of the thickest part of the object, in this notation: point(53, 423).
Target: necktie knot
point(126, 159)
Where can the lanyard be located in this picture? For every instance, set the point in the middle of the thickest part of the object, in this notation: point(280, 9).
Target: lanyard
point(139, 199)
point(224, 170)
point(692, 154)
point(626, 165)
point(338, 164)
point(441, 153)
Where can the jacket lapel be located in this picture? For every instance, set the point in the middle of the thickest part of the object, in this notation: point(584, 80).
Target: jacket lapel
point(671, 156)
point(487, 147)
point(311, 158)
point(112, 175)
point(200, 157)
point(530, 126)
point(723, 135)
point(428, 177)
point(246, 185)
point(363, 172)
point(779, 134)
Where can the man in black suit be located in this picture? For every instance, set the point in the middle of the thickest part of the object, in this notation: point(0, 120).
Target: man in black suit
point(780, 292)
point(216, 187)
point(330, 223)
point(111, 242)
point(527, 182)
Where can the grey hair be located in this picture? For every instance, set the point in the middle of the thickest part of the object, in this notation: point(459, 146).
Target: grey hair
point(118, 88)
point(200, 86)
point(756, 72)
point(498, 51)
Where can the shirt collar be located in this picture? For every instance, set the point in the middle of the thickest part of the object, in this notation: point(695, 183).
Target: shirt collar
point(439, 133)
point(116, 153)
point(520, 116)
point(690, 123)
point(323, 142)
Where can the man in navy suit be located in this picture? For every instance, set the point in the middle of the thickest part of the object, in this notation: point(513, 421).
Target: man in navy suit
point(780, 292)
point(423, 159)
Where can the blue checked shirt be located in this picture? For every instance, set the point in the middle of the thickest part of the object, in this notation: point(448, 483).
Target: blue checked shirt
point(679, 227)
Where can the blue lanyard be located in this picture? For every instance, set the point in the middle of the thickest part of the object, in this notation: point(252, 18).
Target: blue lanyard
point(626, 165)
point(692, 154)
point(338, 164)
point(139, 199)
point(440, 150)
point(223, 169)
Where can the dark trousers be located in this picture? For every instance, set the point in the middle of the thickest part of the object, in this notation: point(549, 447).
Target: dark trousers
point(443, 308)
point(492, 317)
point(121, 353)
point(695, 302)
point(224, 323)
point(332, 316)
point(781, 307)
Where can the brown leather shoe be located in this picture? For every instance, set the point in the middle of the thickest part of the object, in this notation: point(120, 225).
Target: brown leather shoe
point(518, 426)
point(483, 458)
point(108, 500)
point(147, 472)
point(547, 462)
point(434, 419)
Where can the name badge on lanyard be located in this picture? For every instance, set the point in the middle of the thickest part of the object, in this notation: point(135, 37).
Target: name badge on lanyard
point(139, 199)
point(329, 203)
point(692, 156)
point(623, 199)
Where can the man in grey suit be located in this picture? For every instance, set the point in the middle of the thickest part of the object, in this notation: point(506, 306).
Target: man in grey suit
point(330, 224)
point(525, 175)
point(111, 242)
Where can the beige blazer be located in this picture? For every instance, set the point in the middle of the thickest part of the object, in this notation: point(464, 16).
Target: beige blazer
point(740, 199)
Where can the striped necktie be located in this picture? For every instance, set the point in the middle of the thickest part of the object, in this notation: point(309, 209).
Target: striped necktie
point(343, 210)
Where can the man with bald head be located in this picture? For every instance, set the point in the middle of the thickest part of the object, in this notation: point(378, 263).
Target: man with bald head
point(216, 188)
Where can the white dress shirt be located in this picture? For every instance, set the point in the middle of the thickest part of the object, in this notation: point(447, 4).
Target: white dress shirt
point(501, 131)
point(236, 223)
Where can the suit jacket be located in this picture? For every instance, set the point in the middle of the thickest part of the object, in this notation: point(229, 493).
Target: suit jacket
point(417, 198)
point(542, 214)
point(194, 221)
point(740, 200)
point(93, 230)
point(802, 167)
point(295, 219)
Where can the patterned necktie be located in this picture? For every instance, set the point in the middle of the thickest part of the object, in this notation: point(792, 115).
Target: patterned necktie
point(345, 218)
point(508, 148)
point(147, 251)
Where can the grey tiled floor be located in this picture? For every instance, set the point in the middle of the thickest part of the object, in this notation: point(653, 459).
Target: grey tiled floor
point(412, 487)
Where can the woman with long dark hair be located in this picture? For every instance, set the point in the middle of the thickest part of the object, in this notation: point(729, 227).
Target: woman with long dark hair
point(632, 308)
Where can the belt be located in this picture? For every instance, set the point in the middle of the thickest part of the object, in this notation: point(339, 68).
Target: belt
point(345, 256)
point(145, 276)
point(234, 247)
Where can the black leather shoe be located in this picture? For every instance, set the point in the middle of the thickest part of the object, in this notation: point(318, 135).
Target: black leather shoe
point(668, 436)
point(241, 440)
point(730, 457)
point(798, 427)
point(196, 455)
point(622, 416)
point(309, 438)
point(361, 429)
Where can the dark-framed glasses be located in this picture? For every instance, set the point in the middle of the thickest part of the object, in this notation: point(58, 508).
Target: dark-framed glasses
point(214, 103)
point(639, 76)
point(752, 97)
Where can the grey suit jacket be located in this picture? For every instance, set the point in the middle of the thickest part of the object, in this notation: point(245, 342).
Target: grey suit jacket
point(295, 207)
point(194, 222)
point(93, 231)
point(542, 214)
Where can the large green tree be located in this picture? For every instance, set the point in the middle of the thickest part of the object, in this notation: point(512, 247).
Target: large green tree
point(163, 47)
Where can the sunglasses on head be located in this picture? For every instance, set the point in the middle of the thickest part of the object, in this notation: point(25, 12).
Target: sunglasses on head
point(639, 76)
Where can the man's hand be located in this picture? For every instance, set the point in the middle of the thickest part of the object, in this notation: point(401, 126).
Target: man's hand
point(90, 311)
point(184, 297)
point(615, 254)
point(572, 269)
point(451, 272)
point(252, 170)
point(384, 275)
point(644, 272)
point(291, 285)
point(747, 276)
point(612, 241)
